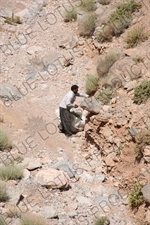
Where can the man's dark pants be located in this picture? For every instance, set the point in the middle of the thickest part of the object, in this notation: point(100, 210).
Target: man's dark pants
point(65, 117)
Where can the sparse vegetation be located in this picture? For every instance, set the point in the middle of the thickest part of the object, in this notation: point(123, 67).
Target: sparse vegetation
point(136, 36)
point(70, 15)
point(142, 139)
point(11, 172)
point(2, 221)
point(136, 197)
point(105, 35)
point(105, 62)
point(142, 92)
point(5, 141)
point(88, 5)
point(31, 219)
point(102, 221)
point(13, 20)
point(104, 2)
point(44, 4)
point(3, 192)
point(105, 95)
point(88, 24)
point(138, 59)
point(119, 20)
point(91, 84)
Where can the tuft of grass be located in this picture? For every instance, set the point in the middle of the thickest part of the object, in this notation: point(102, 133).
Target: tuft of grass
point(104, 2)
point(119, 20)
point(5, 141)
point(70, 15)
point(3, 192)
point(2, 221)
point(142, 92)
point(91, 84)
point(88, 5)
point(13, 20)
point(44, 4)
point(138, 59)
point(105, 95)
point(136, 197)
point(102, 221)
point(88, 24)
point(11, 172)
point(142, 139)
point(105, 62)
point(136, 36)
point(105, 35)
point(31, 219)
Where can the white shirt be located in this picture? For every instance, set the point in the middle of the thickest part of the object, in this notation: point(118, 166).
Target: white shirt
point(69, 99)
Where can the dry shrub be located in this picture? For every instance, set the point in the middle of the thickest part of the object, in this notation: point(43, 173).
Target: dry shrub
point(87, 25)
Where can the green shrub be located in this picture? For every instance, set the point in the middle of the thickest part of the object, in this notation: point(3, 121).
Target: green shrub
point(102, 221)
point(31, 219)
point(5, 141)
point(142, 92)
point(136, 197)
point(91, 84)
point(87, 25)
point(13, 20)
point(3, 192)
point(105, 95)
point(136, 36)
point(105, 62)
point(105, 35)
point(2, 221)
point(70, 15)
point(104, 2)
point(142, 139)
point(88, 5)
point(119, 20)
point(11, 172)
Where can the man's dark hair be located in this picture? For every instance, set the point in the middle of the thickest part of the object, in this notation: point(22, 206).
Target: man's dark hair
point(74, 87)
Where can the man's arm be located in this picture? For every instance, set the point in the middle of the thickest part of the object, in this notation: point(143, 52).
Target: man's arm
point(82, 95)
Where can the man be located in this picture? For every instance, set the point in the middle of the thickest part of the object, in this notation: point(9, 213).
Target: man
point(64, 109)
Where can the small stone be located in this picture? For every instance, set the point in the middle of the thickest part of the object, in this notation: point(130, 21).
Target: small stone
point(49, 212)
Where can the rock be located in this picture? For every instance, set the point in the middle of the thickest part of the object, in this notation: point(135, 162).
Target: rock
point(36, 74)
point(130, 52)
point(109, 161)
point(49, 212)
point(147, 150)
point(130, 85)
point(5, 12)
point(65, 166)
point(134, 132)
point(33, 49)
point(52, 178)
point(146, 193)
point(72, 214)
point(31, 163)
point(90, 178)
point(69, 43)
point(84, 200)
point(51, 60)
point(91, 105)
point(26, 174)
point(9, 92)
point(106, 131)
point(147, 216)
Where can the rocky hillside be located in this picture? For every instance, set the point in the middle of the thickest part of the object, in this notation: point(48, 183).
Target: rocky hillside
point(101, 175)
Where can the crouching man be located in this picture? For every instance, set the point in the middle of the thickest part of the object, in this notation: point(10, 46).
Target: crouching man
point(66, 104)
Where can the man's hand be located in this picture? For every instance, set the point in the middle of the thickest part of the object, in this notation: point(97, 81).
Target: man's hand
point(75, 106)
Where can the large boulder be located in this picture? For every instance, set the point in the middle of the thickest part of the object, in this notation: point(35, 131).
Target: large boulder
point(9, 92)
point(92, 105)
point(52, 178)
